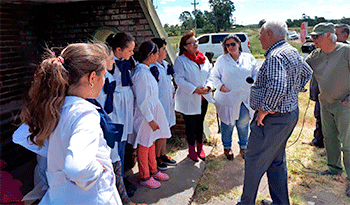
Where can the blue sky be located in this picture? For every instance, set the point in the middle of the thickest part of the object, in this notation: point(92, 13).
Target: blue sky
point(252, 11)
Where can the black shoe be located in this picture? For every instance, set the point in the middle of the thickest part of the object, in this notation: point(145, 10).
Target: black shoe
point(168, 161)
point(328, 172)
point(130, 187)
point(161, 166)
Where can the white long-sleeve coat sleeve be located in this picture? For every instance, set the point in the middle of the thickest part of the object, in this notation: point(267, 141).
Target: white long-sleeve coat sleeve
point(181, 77)
point(142, 92)
point(81, 165)
point(20, 136)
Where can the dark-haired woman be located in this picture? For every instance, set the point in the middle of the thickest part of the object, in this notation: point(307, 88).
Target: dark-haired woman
point(150, 122)
point(232, 96)
point(123, 99)
point(192, 70)
point(79, 169)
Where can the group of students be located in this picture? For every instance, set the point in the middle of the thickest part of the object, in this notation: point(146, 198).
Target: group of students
point(84, 105)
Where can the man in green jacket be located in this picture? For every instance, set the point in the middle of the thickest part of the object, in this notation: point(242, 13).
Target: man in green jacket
point(330, 63)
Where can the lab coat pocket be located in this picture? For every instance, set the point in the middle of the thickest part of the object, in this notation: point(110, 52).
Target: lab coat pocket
point(224, 98)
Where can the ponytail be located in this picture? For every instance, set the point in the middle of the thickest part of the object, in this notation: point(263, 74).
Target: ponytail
point(53, 79)
point(119, 40)
point(46, 97)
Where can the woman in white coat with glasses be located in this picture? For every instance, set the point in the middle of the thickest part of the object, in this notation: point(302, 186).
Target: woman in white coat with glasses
point(232, 76)
point(192, 70)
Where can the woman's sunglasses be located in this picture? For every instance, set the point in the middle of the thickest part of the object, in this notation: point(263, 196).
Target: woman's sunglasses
point(233, 44)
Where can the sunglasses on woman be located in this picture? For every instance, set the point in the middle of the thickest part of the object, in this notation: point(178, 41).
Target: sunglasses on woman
point(233, 44)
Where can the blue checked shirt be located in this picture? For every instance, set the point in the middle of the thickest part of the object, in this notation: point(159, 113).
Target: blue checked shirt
point(281, 77)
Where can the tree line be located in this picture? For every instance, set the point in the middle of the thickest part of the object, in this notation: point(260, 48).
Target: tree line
point(219, 18)
point(314, 21)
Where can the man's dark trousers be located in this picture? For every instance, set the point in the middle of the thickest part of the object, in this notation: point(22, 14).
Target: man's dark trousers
point(266, 153)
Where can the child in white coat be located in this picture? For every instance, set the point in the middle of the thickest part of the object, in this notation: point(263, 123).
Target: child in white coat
point(150, 122)
point(163, 72)
point(79, 168)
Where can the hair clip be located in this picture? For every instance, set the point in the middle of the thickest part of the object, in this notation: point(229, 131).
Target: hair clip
point(154, 45)
point(61, 59)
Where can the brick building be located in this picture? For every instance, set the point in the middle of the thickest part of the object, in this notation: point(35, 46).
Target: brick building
point(28, 26)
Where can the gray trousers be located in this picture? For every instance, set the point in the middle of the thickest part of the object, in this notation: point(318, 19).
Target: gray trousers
point(266, 153)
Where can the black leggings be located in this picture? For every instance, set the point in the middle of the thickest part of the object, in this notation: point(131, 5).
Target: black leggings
point(194, 125)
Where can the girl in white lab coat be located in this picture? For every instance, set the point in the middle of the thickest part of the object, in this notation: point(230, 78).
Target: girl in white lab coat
point(122, 108)
point(232, 75)
point(150, 122)
point(163, 72)
point(79, 169)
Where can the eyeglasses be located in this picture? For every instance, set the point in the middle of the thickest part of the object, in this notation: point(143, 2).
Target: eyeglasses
point(233, 44)
point(193, 42)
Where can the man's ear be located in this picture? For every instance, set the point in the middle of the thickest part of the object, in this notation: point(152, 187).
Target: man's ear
point(269, 32)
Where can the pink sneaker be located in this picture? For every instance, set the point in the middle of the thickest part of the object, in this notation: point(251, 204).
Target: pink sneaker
point(151, 183)
point(161, 176)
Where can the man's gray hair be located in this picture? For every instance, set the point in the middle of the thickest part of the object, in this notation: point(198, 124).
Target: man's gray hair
point(278, 28)
point(345, 28)
point(332, 36)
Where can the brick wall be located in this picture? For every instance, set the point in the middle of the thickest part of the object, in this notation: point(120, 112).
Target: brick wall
point(18, 50)
point(59, 24)
point(27, 28)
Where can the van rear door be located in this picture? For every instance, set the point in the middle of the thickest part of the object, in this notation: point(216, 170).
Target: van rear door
point(204, 44)
point(216, 41)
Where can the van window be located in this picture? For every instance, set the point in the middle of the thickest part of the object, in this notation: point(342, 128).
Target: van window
point(218, 38)
point(242, 37)
point(204, 39)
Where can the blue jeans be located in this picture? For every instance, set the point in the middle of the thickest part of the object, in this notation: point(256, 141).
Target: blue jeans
point(266, 153)
point(121, 152)
point(242, 125)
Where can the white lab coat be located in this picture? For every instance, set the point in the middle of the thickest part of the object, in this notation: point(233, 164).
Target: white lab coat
point(166, 92)
point(233, 76)
point(147, 108)
point(188, 77)
point(20, 136)
point(123, 104)
point(113, 115)
point(76, 156)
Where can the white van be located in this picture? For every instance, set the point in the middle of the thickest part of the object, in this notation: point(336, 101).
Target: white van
point(212, 43)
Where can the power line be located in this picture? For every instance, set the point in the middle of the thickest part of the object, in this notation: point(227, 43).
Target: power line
point(195, 21)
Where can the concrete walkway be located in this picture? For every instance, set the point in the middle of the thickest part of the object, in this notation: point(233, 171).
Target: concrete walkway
point(180, 187)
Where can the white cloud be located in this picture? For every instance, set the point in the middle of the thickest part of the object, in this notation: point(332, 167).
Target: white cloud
point(171, 14)
point(302, 4)
point(165, 1)
point(204, 6)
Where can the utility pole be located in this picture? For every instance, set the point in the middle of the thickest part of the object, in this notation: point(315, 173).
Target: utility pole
point(195, 21)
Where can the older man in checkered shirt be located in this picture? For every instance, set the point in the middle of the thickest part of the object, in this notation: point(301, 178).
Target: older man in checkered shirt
point(274, 97)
